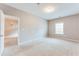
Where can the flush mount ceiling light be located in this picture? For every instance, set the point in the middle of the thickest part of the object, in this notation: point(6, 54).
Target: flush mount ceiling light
point(48, 9)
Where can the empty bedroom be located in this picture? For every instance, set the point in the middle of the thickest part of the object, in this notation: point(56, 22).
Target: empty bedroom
point(39, 29)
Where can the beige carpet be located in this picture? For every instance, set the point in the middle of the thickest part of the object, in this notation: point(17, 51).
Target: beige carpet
point(44, 47)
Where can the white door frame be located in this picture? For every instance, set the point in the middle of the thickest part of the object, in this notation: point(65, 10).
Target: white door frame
point(2, 31)
point(18, 30)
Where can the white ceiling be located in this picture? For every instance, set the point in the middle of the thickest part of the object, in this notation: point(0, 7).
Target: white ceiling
point(61, 9)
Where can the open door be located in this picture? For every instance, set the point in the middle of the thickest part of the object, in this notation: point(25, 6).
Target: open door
point(1, 32)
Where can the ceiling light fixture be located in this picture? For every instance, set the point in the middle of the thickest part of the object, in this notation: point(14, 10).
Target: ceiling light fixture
point(48, 9)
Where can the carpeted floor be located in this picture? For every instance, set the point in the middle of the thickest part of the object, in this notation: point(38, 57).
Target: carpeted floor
point(44, 47)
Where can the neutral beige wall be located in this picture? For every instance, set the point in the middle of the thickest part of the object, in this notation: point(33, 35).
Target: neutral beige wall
point(31, 27)
point(71, 28)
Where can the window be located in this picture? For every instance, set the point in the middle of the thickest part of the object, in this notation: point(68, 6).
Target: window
point(59, 28)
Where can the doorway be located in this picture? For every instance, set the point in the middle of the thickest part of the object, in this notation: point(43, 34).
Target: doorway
point(9, 31)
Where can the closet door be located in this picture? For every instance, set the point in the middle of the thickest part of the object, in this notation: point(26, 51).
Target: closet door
point(1, 32)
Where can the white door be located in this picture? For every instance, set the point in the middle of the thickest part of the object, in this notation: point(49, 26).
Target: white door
point(1, 32)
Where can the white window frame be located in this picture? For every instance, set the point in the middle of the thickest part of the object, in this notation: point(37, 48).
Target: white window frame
point(59, 28)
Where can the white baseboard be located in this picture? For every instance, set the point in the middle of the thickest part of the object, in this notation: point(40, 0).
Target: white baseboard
point(67, 39)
